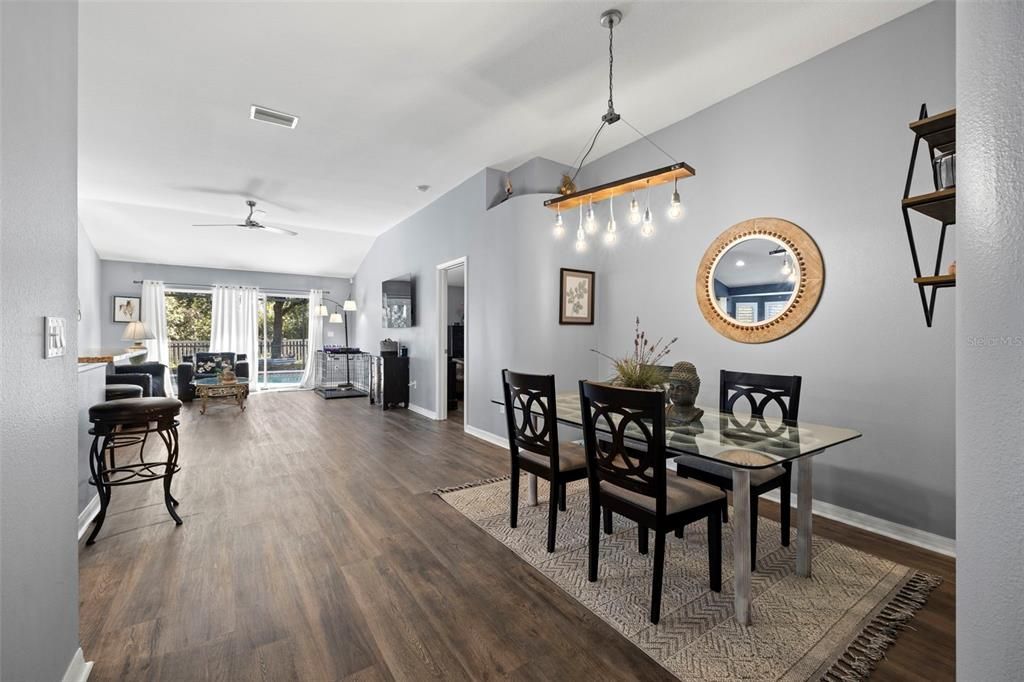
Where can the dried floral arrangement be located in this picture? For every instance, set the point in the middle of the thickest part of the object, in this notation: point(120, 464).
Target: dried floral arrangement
point(640, 370)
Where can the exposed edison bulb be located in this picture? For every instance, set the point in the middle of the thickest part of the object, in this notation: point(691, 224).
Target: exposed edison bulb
point(559, 231)
point(581, 243)
point(558, 220)
point(634, 211)
point(675, 207)
point(580, 235)
point(787, 268)
point(590, 221)
point(791, 277)
point(611, 232)
point(647, 229)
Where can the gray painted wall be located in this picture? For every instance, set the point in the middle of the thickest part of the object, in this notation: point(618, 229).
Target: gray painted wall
point(990, 341)
point(90, 298)
point(512, 288)
point(825, 145)
point(38, 254)
point(117, 277)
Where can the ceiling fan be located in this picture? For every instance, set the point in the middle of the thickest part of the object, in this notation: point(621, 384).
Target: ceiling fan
point(252, 222)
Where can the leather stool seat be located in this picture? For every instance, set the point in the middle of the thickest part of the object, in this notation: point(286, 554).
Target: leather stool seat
point(134, 411)
point(124, 423)
point(122, 391)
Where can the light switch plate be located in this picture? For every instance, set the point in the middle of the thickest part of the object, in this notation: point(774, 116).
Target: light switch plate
point(54, 337)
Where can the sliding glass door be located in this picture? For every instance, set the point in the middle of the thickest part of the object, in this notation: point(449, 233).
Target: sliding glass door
point(283, 332)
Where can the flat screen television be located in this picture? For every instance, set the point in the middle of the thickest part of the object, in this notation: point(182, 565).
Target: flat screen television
point(398, 299)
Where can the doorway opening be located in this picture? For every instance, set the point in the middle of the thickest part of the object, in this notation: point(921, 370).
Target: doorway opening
point(452, 340)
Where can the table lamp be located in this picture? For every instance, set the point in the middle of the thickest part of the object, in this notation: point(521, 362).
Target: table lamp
point(137, 332)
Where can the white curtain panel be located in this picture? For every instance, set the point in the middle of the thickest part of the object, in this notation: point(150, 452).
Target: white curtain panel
point(234, 328)
point(315, 338)
point(154, 316)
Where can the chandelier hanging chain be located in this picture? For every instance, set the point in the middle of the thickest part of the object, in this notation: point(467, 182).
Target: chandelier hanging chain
point(611, 66)
point(609, 19)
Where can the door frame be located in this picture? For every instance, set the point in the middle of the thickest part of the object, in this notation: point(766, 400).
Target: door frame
point(441, 348)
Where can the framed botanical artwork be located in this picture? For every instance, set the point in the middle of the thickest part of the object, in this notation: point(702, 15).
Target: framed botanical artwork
point(576, 297)
point(127, 308)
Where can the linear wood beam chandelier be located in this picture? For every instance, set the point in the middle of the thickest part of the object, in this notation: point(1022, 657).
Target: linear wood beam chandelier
point(643, 182)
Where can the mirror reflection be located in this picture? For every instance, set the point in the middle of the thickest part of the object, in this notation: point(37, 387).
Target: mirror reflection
point(754, 280)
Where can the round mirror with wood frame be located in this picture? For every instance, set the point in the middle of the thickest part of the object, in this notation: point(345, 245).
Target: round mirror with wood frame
point(760, 280)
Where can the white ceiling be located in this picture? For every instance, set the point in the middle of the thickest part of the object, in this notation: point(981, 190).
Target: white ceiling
point(389, 95)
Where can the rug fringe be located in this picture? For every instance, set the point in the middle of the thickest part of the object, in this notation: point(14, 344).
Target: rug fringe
point(868, 649)
point(471, 484)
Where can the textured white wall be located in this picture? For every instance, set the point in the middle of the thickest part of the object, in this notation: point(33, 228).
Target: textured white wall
point(38, 413)
point(990, 341)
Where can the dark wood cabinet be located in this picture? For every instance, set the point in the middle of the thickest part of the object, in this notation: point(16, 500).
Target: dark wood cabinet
point(389, 381)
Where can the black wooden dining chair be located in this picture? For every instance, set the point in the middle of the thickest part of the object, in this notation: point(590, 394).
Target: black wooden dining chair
point(760, 391)
point(624, 436)
point(533, 443)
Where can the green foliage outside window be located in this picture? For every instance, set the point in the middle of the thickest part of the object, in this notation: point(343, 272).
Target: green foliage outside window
point(188, 316)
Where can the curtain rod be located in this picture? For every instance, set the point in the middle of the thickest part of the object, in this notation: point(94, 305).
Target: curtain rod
point(210, 286)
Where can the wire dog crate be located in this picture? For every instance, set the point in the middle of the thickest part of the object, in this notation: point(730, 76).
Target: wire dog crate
point(342, 374)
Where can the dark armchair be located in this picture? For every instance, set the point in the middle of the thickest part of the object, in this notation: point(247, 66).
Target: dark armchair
point(148, 375)
point(204, 365)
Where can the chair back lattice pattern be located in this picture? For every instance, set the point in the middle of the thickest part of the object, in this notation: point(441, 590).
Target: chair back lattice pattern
point(530, 414)
point(624, 433)
point(760, 391)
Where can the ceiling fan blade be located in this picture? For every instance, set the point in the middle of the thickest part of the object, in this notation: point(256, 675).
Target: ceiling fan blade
point(217, 225)
point(278, 230)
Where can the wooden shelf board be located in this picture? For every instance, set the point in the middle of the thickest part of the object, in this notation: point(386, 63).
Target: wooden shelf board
point(940, 281)
point(635, 183)
point(940, 205)
point(939, 130)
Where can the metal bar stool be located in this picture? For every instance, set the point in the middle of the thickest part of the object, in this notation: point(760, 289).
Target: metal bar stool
point(120, 423)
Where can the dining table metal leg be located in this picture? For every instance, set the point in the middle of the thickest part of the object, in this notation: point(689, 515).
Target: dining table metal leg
point(741, 544)
point(803, 517)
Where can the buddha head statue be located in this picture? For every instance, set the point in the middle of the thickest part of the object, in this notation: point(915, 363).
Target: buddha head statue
point(684, 384)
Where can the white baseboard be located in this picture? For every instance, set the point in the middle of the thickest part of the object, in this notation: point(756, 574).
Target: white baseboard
point(78, 669)
point(87, 515)
point(873, 524)
point(429, 414)
point(491, 438)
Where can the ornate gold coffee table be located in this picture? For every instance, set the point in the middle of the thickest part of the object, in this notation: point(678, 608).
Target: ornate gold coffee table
point(213, 387)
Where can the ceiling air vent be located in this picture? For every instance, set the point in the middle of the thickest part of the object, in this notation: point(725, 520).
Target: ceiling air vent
point(278, 118)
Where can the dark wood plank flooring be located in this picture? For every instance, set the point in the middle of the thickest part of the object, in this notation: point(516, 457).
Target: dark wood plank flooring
point(313, 550)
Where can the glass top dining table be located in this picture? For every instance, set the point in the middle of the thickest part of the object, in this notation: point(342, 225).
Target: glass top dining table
point(741, 444)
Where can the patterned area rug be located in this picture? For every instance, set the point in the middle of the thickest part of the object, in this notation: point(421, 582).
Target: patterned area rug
point(834, 626)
